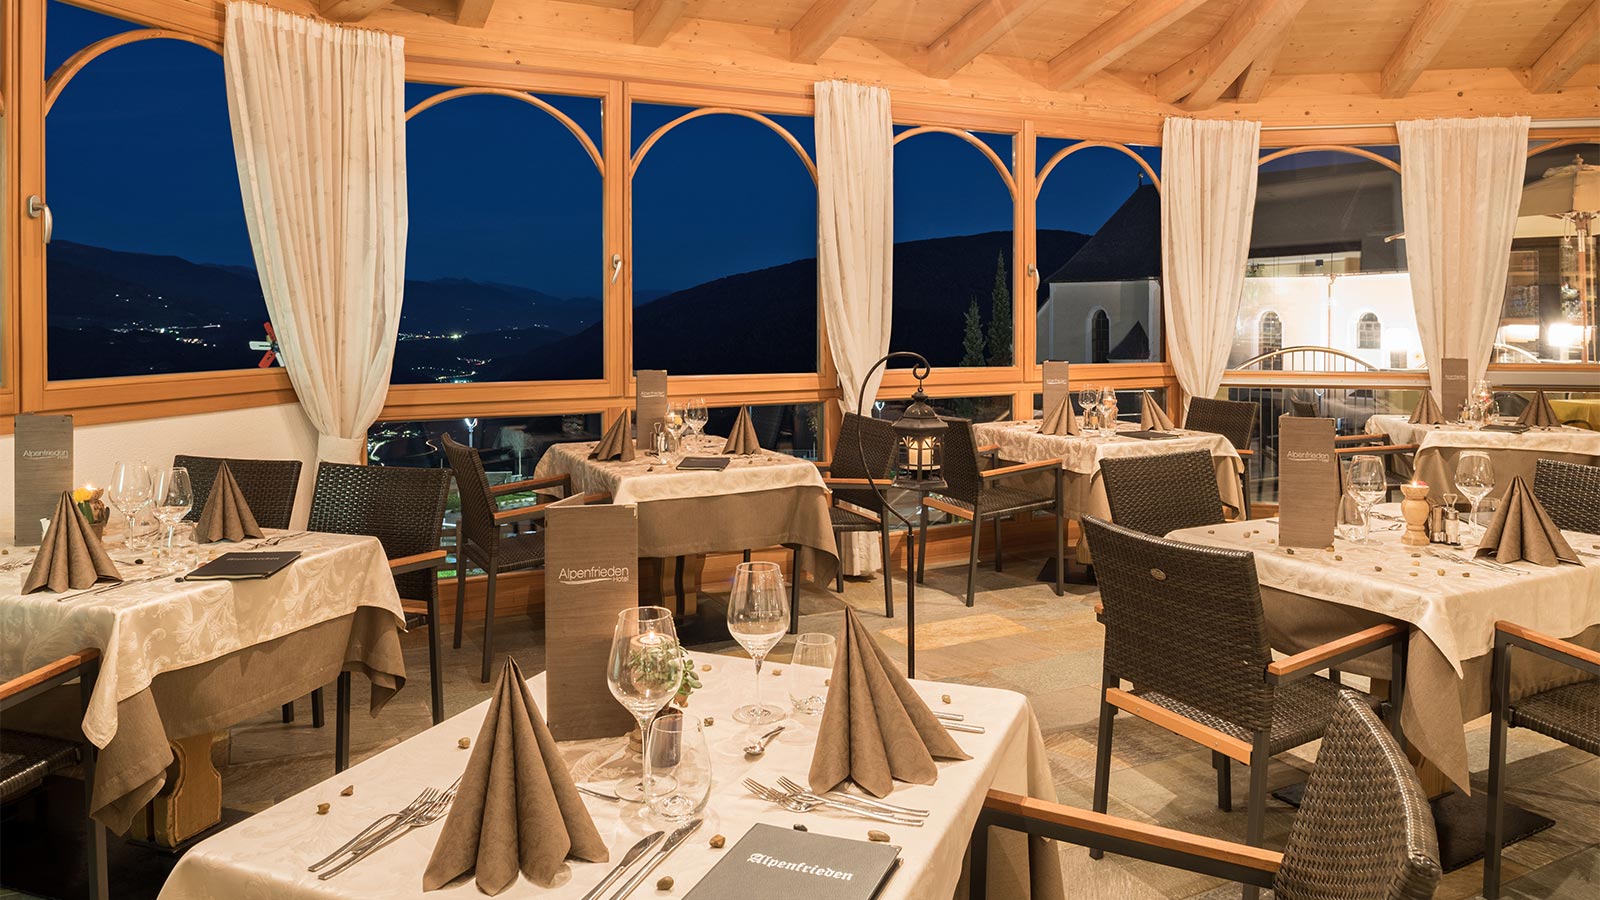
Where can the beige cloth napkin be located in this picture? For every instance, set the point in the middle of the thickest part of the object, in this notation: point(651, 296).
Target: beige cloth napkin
point(874, 727)
point(1151, 416)
point(1427, 411)
point(71, 556)
point(1060, 420)
point(1521, 529)
point(517, 807)
point(742, 438)
point(226, 516)
point(617, 443)
point(1539, 413)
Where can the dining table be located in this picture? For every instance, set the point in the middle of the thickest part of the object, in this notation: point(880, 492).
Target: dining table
point(1511, 453)
point(181, 660)
point(268, 854)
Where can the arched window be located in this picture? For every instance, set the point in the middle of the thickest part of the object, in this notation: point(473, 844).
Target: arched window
point(1269, 338)
point(1099, 337)
point(1369, 332)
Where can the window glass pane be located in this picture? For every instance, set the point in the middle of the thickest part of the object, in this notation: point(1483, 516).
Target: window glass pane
point(505, 260)
point(795, 429)
point(1099, 240)
point(1130, 403)
point(1326, 269)
point(978, 409)
point(150, 270)
point(1350, 408)
point(725, 246)
point(1549, 313)
point(952, 251)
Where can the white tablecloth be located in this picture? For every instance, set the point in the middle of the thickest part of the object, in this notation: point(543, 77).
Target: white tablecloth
point(1022, 442)
point(145, 629)
point(267, 854)
point(1564, 439)
point(645, 479)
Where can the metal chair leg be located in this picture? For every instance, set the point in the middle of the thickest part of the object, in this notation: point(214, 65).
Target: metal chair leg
point(288, 712)
point(318, 718)
point(794, 591)
point(435, 677)
point(461, 594)
point(978, 860)
point(1224, 767)
point(888, 582)
point(1102, 752)
point(488, 623)
point(95, 839)
point(922, 541)
point(341, 726)
point(972, 561)
point(838, 573)
point(747, 552)
point(1494, 831)
point(998, 567)
point(1255, 820)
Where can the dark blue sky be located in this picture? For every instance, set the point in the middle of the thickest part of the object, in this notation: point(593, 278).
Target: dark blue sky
point(140, 159)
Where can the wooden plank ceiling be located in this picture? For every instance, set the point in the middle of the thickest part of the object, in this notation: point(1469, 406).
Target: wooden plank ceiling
point(1192, 53)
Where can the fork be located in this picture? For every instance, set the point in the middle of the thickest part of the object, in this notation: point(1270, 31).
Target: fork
point(802, 791)
point(423, 799)
point(277, 539)
point(1487, 564)
point(429, 814)
point(809, 802)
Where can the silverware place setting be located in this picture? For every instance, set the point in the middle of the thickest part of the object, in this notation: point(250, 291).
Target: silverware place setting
point(958, 722)
point(1476, 561)
point(795, 787)
point(113, 586)
point(429, 807)
point(275, 540)
point(673, 841)
point(805, 801)
point(632, 856)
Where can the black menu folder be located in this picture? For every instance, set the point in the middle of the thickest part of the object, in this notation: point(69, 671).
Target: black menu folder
point(783, 864)
point(243, 566)
point(716, 463)
point(1150, 435)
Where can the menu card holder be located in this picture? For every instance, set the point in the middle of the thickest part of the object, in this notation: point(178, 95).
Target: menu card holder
point(591, 575)
point(43, 472)
point(651, 401)
point(1056, 383)
point(1452, 387)
point(1308, 482)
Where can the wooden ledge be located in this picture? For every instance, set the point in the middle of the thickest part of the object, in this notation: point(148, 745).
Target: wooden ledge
point(1317, 657)
point(1568, 648)
point(1207, 737)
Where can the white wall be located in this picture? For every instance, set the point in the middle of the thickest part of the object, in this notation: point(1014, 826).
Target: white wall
point(1305, 306)
point(271, 432)
point(1063, 330)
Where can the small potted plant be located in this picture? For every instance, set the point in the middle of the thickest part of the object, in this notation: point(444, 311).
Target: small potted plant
point(88, 501)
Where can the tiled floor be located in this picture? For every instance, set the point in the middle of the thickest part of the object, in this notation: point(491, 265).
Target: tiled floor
point(1022, 637)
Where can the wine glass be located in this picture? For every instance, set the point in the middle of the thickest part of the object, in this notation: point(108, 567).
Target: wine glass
point(1367, 480)
point(758, 614)
point(173, 497)
point(811, 665)
point(681, 762)
point(1088, 400)
point(677, 421)
point(644, 672)
point(129, 491)
point(1474, 478)
point(1108, 410)
point(698, 415)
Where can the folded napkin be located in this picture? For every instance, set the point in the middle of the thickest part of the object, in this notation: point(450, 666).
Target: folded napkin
point(226, 516)
point(874, 727)
point(517, 807)
point(1060, 420)
point(1521, 529)
point(71, 556)
point(1427, 411)
point(742, 438)
point(617, 443)
point(1539, 413)
point(1151, 416)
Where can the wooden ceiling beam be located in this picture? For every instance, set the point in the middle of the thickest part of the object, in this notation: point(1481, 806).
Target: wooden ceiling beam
point(825, 22)
point(653, 20)
point(977, 31)
point(1137, 23)
point(1200, 78)
point(1422, 43)
point(1253, 83)
point(349, 10)
point(473, 13)
point(1568, 54)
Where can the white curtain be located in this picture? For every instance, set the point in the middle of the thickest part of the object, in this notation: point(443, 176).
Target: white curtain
point(318, 115)
point(855, 228)
point(1461, 185)
point(1208, 197)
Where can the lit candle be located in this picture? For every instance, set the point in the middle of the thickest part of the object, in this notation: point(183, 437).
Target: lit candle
point(919, 454)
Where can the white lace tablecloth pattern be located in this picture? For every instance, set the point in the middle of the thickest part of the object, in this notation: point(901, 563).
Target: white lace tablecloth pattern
point(1021, 442)
point(1563, 439)
point(645, 479)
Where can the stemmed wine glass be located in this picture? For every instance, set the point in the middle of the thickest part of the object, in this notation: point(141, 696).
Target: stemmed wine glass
point(1367, 481)
point(697, 416)
point(1475, 478)
point(1088, 400)
point(1108, 410)
point(129, 491)
point(173, 497)
point(758, 614)
point(644, 672)
point(677, 422)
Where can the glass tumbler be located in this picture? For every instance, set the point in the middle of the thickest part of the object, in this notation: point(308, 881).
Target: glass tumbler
point(682, 768)
point(811, 666)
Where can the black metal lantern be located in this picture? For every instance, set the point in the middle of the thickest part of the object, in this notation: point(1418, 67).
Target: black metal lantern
point(920, 461)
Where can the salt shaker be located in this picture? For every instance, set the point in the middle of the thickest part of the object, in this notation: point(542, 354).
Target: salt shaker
point(1452, 520)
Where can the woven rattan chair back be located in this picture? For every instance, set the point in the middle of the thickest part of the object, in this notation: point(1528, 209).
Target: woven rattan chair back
point(963, 478)
point(1570, 493)
point(1185, 621)
point(876, 445)
point(402, 507)
point(1233, 419)
point(477, 528)
point(1364, 830)
point(1160, 494)
point(268, 485)
point(1304, 409)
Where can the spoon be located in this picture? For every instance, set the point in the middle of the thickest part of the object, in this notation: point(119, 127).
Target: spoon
point(757, 749)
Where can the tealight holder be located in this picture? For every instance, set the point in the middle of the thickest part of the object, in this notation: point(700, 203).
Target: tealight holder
point(1415, 509)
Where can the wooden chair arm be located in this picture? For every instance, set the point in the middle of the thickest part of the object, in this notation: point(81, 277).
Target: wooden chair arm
point(1246, 452)
point(1376, 449)
point(988, 448)
point(856, 483)
point(1336, 651)
point(529, 484)
point(1020, 468)
point(522, 513)
point(1565, 648)
point(1348, 439)
point(48, 672)
point(822, 465)
point(416, 562)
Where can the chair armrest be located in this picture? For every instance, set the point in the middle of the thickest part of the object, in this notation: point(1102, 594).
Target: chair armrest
point(1376, 450)
point(1336, 651)
point(1246, 452)
point(1125, 837)
point(1582, 657)
point(521, 513)
point(529, 484)
point(1348, 439)
point(822, 465)
point(416, 562)
point(988, 449)
point(59, 671)
point(1008, 471)
point(856, 482)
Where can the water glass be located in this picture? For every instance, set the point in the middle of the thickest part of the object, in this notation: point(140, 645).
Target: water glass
point(1367, 481)
point(758, 615)
point(1474, 478)
point(129, 492)
point(681, 784)
point(644, 671)
point(698, 415)
point(811, 666)
point(172, 496)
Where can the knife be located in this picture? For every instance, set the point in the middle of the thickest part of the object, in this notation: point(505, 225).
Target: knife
point(676, 838)
point(632, 856)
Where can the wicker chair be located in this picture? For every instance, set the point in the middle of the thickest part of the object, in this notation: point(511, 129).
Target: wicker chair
point(268, 485)
point(26, 760)
point(1184, 624)
point(1364, 830)
point(864, 445)
point(1158, 495)
point(480, 539)
point(1234, 420)
point(1569, 713)
point(980, 496)
point(1570, 493)
point(404, 509)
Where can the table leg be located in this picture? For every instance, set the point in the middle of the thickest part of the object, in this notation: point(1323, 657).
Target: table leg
point(191, 800)
point(1434, 783)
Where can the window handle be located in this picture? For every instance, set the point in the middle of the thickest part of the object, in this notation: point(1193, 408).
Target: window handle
point(616, 266)
point(37, 208)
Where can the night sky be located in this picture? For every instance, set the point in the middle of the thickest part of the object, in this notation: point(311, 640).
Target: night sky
point(140, 159)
